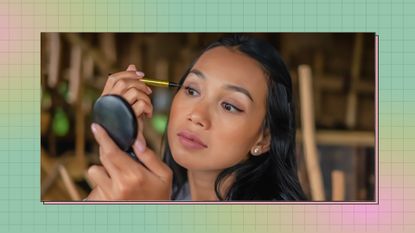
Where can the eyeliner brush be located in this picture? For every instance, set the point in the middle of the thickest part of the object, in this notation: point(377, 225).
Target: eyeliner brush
point(159, 83)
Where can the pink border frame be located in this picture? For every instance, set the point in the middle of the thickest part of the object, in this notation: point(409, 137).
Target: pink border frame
point(376, 201)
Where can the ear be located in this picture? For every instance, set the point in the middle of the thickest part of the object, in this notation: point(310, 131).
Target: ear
point(262, 144)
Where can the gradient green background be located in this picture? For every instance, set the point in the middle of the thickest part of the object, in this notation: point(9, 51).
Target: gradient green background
point(21, 22)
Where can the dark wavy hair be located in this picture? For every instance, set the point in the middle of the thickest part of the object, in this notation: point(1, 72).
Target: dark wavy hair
point(273, 174)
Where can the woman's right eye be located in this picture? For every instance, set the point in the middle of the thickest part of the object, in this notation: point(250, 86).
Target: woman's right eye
point(190, 91)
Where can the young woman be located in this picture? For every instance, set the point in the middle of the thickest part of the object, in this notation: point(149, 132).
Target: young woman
point(230, 136)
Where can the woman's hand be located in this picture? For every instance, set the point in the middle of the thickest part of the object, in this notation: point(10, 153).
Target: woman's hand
point(120, 177)
point(127, 85)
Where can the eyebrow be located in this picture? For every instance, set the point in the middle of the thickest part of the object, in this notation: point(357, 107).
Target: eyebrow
point(242, 90)
point(198, 73)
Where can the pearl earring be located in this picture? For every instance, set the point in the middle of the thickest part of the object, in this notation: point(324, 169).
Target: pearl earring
point(257, 150)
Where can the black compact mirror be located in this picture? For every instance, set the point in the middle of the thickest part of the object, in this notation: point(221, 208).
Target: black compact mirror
point(117, 117)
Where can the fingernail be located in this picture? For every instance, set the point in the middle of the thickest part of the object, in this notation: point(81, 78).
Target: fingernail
point(139, 73)
point(149, 90)
point(139, 146)
point(93, 128)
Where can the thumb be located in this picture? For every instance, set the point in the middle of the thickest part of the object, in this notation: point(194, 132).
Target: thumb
point(140, 142)
point(103, 139)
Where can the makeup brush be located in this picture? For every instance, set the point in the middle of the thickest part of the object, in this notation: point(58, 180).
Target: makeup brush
point(159, 83)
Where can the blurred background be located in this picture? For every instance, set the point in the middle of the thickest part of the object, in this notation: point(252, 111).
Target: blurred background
point(333, 81)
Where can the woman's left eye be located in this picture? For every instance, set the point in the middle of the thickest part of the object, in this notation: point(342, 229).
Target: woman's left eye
point(230, 108)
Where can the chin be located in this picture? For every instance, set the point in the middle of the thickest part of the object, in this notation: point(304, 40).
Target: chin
point(183, 162)
point(185, 159)
point(196, 162)
point(190, 161)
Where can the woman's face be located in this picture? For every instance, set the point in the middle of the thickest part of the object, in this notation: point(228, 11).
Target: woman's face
point(216, 117)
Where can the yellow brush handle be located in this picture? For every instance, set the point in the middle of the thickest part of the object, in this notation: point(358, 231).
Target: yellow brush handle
point(159, 83)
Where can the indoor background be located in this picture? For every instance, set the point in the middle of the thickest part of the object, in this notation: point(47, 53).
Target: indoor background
point(333, 80)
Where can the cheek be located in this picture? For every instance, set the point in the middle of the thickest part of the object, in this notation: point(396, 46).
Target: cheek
point(238, 130)
point(174, 116)
point(227, 156)
point(176, 121)
point(177, 109)
point(231, 142)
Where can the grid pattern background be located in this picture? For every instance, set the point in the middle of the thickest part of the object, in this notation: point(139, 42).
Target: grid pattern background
point(21, 22)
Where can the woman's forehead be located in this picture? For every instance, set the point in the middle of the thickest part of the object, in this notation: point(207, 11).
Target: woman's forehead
point(232, 67)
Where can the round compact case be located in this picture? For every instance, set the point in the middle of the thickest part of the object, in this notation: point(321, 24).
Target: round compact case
point(117, 117)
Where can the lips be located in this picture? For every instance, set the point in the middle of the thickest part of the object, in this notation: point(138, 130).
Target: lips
point(190, 140)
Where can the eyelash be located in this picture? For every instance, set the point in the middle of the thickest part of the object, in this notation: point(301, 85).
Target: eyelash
point(189, 89)
point(228, 104)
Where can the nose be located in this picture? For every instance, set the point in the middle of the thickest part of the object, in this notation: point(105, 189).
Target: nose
point(199, 116)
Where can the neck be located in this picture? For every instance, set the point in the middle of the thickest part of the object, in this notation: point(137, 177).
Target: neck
point(202, 185)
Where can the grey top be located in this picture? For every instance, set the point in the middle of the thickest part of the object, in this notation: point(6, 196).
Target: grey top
point(184, 193)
